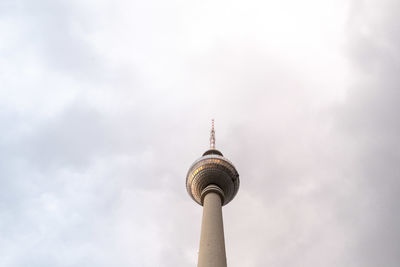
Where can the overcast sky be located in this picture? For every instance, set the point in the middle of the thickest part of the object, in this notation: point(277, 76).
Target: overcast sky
point(104, 105)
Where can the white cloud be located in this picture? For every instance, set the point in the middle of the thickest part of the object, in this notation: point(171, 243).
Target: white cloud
point(104, 105)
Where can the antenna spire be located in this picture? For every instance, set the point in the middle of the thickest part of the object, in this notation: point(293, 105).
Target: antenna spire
point(212, 137)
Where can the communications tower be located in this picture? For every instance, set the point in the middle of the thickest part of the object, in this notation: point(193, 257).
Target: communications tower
point(212, 181)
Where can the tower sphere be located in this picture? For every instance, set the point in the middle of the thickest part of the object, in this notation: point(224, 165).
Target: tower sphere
point(212, 172)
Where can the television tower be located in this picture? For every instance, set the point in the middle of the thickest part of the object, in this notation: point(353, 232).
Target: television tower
point(212, 181)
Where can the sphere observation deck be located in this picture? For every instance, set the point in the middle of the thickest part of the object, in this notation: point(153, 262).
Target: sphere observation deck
point(212, 172)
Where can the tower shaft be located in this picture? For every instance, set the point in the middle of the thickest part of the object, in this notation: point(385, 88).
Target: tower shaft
point(212, 243)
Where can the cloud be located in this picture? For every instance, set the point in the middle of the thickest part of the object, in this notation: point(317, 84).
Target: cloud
point(370, 124)
point(104, 106)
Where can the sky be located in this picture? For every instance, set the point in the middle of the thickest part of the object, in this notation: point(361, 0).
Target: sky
point(104, 105)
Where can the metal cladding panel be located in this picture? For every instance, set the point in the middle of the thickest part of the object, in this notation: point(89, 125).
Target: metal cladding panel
point(212, 169)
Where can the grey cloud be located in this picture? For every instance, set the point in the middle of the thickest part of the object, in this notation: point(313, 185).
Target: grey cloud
point(100, 182)
point(370, 122)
